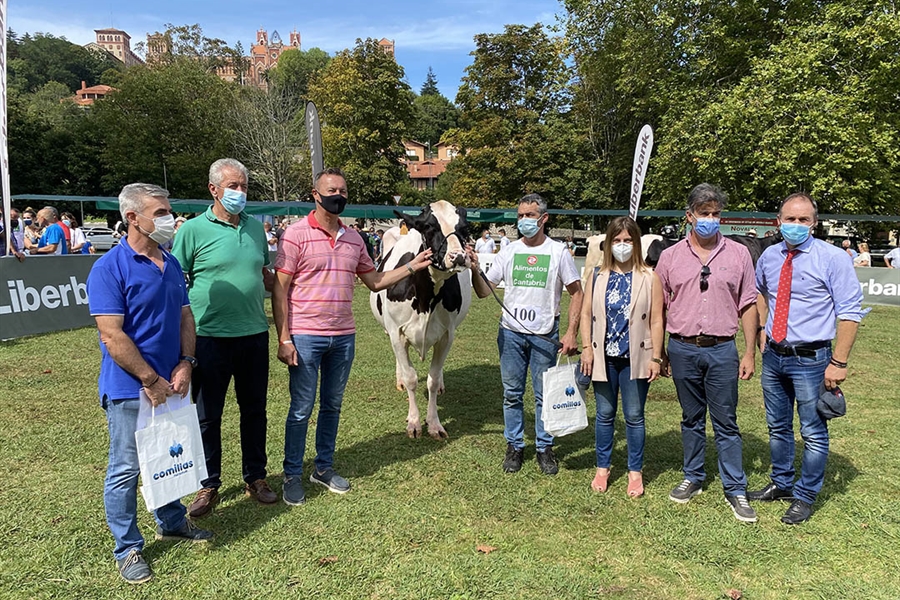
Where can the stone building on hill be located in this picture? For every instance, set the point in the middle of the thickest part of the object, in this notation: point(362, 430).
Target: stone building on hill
point(117, 43)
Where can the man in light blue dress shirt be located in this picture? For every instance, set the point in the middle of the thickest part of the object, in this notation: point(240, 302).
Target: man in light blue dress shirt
point(822, 302)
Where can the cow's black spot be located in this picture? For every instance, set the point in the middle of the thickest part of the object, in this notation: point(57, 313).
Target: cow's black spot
point(378, 304)
point(451, 294)
point(406, 289)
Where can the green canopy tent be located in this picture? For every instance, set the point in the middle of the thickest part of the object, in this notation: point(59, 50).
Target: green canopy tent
point(377, 211)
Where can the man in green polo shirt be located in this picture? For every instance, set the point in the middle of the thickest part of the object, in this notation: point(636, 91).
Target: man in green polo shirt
point(223, 252)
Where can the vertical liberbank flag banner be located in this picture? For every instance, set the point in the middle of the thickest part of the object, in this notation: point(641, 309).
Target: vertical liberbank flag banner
point(642, 151)
point(4, 151)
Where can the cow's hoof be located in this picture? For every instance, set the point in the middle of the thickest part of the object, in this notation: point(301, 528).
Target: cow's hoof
point(438, 433)
point(413, 431)
point(400, 387)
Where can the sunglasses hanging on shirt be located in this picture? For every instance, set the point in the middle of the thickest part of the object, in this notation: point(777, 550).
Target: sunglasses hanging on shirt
point(704, 277)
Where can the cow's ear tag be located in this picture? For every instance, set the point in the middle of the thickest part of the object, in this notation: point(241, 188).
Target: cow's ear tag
point(403, 229)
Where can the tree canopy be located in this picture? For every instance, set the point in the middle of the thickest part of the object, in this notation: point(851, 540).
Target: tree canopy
point(366, 110)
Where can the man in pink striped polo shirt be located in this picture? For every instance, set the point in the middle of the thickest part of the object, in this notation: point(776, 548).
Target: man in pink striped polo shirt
point(316, 268)
point(706, 285)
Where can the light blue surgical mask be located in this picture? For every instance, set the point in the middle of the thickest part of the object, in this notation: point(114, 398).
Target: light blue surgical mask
point(794, 233)
point(233, 201)
point(706, 227)
point(529, 227)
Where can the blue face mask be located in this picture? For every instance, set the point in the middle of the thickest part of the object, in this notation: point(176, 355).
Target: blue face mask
point(794, 233)
point(706, 228)
point(529, 227)
point(233, 201)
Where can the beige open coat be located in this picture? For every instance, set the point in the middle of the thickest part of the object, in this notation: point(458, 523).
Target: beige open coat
point(640, 345)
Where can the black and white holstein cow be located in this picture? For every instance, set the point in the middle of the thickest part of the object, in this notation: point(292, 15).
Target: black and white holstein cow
point(424, 310)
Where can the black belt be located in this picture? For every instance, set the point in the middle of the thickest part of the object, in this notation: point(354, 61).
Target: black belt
point(703, 341)
point(804, 350)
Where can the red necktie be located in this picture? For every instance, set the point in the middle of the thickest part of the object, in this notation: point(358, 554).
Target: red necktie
point(783, 303)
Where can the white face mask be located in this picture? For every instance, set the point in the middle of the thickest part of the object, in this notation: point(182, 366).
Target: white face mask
point(164, 228)
point(622, 251)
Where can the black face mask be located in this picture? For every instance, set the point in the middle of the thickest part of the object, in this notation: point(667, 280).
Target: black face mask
point(334, 204)
point(14, 223)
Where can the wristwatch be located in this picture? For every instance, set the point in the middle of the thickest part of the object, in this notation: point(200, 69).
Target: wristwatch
point(658, 361)
point(190, 360)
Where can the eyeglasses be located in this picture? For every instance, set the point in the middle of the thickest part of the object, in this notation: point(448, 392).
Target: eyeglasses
point(704, 275)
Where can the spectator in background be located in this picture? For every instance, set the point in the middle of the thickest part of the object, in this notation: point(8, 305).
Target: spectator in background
point(485, 245)
point(892, 258)
point(179, 221)
point(18, 231)
point(570, 245)
point(32, 231)
point(271, 238)
point(504, 241)
point(379, 233)
point(67, 230)
point(846, 246)
point(863, 259)
point(12, 245)
point(53, 239)
point(79, 242)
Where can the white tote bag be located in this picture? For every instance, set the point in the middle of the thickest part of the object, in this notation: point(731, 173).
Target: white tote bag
point(563, 409)
point(170, 452)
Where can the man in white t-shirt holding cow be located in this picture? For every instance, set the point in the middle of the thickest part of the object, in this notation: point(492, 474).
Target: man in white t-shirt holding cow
point(534, 270)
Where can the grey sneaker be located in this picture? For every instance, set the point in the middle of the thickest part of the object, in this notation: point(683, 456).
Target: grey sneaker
point(741, 508)
point(188, 531)
point(547, 462)
point(331, 480)
point(134, 569)
point(292, 491)
point(685, 490)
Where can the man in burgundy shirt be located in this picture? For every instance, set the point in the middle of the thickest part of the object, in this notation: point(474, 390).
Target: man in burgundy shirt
point(706, 285)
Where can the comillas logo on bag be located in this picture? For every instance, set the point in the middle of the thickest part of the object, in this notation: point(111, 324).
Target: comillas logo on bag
point(175, 451)
point(570, 391)
point(569, 404)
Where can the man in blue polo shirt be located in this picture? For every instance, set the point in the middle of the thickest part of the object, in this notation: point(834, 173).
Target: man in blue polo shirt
point(53, 238)
point(223, 252)
point(138, 298)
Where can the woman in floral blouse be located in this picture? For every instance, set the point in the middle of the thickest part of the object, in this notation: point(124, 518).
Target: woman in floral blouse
point(617, 349)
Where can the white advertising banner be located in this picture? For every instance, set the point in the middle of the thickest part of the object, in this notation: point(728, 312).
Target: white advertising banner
point(642, 151)
point(4, 151)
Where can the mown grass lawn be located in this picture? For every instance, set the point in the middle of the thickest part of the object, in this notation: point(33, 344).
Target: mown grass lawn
point(419, 509)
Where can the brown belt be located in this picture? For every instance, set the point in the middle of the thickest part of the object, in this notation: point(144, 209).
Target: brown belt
point(703, 341)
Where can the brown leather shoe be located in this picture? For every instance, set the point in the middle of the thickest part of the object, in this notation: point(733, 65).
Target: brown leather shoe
point(203, 502)
point(260, 490)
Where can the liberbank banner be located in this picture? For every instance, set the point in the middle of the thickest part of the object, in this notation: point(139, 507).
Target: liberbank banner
point(44, 293)
point(49, 293)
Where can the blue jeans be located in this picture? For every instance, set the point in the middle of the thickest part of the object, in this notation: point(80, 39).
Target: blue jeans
point(518, 353)
point(634, 397)
point(333, 355)
point(120, 488)
point(707, 379)
point(785, 380)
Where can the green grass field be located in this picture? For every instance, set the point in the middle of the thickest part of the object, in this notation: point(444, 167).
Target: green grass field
point(420, 508)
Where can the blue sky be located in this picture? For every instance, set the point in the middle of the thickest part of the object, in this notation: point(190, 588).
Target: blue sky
point(437, 33)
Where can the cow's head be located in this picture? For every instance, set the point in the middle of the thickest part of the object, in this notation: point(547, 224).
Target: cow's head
point(446, 231)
